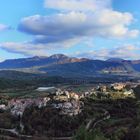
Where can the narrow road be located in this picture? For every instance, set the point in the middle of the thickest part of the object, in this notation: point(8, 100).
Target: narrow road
point(93, 122)
point(14, 132)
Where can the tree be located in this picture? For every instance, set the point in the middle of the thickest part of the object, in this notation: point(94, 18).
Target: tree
point(83, 134)
point(137, 92)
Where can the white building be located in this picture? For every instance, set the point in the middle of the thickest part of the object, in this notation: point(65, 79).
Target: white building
point(41, 89)
point(3, 107)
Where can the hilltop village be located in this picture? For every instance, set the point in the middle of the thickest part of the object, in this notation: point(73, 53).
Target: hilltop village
point(68, 101)
point(91, 106)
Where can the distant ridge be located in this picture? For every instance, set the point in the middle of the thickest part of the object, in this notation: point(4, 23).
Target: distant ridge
point(63, 65)
point(115, 60)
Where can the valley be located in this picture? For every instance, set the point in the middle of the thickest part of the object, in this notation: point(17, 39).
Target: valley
point(62, 98)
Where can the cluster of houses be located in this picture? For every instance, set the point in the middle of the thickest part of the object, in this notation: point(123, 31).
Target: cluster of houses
point(115, 88)
point(118, 86)
point(18, 106)
point(68, 102)
point(70, 108)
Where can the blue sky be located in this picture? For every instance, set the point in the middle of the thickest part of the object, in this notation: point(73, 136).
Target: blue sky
point(97, 29)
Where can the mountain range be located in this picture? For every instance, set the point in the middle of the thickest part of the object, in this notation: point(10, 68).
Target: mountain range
point(62, 65)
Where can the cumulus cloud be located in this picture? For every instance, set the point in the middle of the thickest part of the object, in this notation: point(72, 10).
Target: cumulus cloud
point(23, 48)
point(59, 27)
point(78, 5)
point(78, 19)
point(98, 17)
point(33, 49)
point(55, 28)
point(124, 52)
point(4, 27)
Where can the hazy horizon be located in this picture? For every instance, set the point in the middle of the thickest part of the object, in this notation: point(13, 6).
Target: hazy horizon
point(70, 56)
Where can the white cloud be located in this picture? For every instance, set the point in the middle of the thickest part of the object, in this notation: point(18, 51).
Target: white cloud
point(79, 18)
point(1, 60)
point(31, 49)
point(23, 48)
point(78, 5)
point(97, 16)
point(3, 27)
point(59, 27)
point(124, 52)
